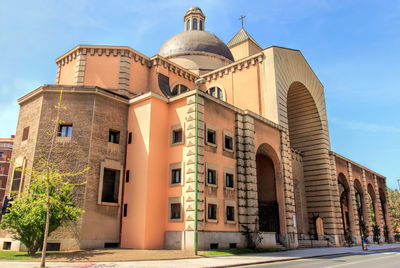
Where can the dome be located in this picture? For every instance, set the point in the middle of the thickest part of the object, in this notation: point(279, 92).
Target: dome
point(195, 41)
point(194, 9)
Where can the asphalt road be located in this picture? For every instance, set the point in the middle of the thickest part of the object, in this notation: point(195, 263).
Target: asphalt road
point(382, 259)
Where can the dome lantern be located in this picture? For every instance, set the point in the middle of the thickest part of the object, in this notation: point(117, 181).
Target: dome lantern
point(194, 19)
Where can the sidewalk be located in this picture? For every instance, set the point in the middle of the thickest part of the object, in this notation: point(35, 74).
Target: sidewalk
point(221, 261)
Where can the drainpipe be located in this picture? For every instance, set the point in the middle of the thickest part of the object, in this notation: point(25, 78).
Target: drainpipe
point(197, 82)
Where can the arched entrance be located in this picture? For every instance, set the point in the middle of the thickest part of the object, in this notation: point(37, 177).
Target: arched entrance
point(359, 205)
point(344, 202)
point(268, 206)
point(372, 204)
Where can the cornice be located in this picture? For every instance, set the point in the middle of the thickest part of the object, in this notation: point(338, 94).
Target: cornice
point(235, 66)
point(356, 164)
point(73, 89)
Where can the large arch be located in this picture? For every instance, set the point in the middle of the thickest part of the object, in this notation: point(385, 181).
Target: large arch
point(271, 203)
point(307, 135)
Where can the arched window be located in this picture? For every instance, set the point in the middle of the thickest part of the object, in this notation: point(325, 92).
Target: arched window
point(194, 24)
point(188, 25)
point(178, 89)
point(201, 25)
point(216, 92)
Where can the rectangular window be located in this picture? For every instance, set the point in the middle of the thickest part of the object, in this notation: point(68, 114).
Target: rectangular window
point(176, 176)
point(1, 155)
point(25, 134)
point(6, 245)
point(227, 139)
point(175, 211)
point(125, 210)
point(229, 180)
point(16, 180)
point(65, 130)
point(211, 176)
point(130, 138)
point(127, 176)
point(113, 136)
point(230, 213)
point(177, 136)
point(228, 143)
point(211, 136)
point(212, 212)
point(110, 190)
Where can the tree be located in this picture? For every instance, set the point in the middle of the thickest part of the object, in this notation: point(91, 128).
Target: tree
point(27, 218)
point(394, 204)
point(50, 190)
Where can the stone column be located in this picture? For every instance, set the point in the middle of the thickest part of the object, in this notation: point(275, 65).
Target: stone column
point(246, 172)
point(378, 210)
point(189, 158)
point(389, 221)
point(80, 67)
point(289, 239)
point(336, 202)
point(366, 208)
point(354, 217)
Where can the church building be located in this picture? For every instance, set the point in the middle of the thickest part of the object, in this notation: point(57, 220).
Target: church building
point(264, 160)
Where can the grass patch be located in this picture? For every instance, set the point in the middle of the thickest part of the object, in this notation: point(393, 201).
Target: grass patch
point(18, 256)
point(237, 251)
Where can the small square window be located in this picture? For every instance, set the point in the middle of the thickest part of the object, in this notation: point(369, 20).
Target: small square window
point(211, 136)
point(25, 134)
point(6, 245)
point(212, 212)
point(65, 130)
point(175, 211)
point(176, 135)
point(113, 136)
point(230, 213)
point(228, 143)
point(176, 176)
point(211, 176)
point(229, 180)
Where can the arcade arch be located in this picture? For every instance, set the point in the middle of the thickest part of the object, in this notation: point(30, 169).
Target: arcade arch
point(270, 191)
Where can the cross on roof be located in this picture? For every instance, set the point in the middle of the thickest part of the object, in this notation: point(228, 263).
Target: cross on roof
point(242, 19)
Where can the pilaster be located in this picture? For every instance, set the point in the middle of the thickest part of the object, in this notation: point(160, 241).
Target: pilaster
point(336, 198)
point(80, 67)
point(246, 172)
point(366, 207)
point(124, 70)
point(378, 208)
point(352, 199)
point(190, 158)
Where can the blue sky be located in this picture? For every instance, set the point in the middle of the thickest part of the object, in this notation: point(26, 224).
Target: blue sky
point(353, 47)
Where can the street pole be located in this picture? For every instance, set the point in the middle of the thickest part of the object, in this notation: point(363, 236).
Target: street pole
point(398, 184)
point(197, 82)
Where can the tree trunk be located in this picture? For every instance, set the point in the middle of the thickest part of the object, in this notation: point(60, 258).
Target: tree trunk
point(46, 229)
